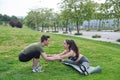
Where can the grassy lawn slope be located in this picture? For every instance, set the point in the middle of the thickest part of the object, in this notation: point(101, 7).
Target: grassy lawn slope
point(13, 40)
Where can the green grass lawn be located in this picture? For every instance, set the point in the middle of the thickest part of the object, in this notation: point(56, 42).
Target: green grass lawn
point(13, 40)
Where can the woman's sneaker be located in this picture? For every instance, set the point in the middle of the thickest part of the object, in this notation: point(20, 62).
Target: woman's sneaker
point(37, 69)
point(84, 70)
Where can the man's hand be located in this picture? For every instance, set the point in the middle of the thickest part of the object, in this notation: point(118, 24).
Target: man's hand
point(51, 55)
point(58, 57)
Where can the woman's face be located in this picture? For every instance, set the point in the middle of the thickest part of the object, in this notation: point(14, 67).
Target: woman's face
point(66, 46)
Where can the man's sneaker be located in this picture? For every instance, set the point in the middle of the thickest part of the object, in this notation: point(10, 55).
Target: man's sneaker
point(33, 70)
point(37, 69)
point(84, 70)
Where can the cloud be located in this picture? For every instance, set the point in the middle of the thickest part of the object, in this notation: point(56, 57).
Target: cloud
point(21, 7)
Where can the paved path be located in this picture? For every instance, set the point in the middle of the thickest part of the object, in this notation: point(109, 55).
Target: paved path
point(105, 36)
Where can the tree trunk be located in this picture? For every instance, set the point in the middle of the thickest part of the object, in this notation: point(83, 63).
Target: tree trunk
point(118, 23)
point(77, 26)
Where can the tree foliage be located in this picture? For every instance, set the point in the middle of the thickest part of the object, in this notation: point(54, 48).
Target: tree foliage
point(39, 17)
point(12, 21)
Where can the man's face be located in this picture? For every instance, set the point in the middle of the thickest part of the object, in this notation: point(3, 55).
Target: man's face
point(46, 42)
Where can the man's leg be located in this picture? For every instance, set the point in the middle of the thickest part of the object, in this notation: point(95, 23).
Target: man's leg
point(36, 58)
point(36, 67)
point(35, 62)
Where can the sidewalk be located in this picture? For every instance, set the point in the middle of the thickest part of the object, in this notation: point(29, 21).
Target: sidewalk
point(105, 36)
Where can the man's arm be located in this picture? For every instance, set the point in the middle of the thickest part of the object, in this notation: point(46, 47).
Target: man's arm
point(44, 55)
point(51, 55)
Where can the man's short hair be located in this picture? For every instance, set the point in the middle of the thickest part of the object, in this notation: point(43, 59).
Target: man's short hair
point(44, 37)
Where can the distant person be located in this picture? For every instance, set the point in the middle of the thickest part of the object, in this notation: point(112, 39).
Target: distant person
point(34, 50)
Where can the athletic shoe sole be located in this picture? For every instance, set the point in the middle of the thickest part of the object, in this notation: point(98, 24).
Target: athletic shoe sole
point(84, 70)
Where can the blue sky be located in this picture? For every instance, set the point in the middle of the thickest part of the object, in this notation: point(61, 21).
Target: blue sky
point(21, 7)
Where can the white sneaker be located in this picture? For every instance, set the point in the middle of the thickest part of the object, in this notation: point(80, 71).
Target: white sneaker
point(37, 69)
point(33, 70)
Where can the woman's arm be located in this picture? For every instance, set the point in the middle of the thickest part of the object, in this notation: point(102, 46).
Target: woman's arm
point(51, 55)
point(63, 53)
point(67, 54)
point(44, 55)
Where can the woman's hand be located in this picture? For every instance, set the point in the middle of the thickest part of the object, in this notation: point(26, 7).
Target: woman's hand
point(51, 55)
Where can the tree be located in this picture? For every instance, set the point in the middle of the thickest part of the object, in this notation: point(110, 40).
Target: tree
point(111, 9)
point(73, 12)
point(31, 19)
point(89, 10)
point(5, 19)
point(40, 17)
point(114, 8)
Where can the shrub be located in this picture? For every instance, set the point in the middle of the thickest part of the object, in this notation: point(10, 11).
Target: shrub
point(47, 31)
point(96, 36)
point(98, 29)
point(118, 40)
point(55, 31)
point(15, 23)
point(1, 22)
point(18, 24)
point(12, 23)
point(88, 30)
point(78, 34)
point(116, 30)
point(65, 32)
